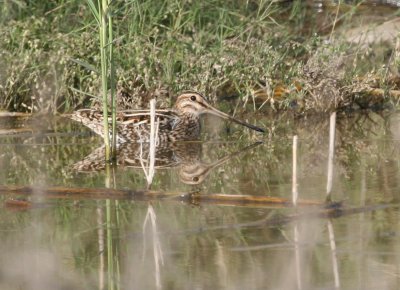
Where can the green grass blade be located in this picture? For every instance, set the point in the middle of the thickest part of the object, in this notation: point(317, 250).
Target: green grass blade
point(85, 65)
point(94, 10)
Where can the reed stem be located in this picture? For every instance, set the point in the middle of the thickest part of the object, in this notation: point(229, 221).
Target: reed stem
point(104, 68)
point(112, 84)
point(331, 153)
point(295, 193)
point(150, 169)
point(103, 17)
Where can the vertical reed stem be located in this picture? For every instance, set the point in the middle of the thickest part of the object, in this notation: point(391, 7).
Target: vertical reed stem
point(331, 154)
point(294, 172)
point(150, 170)
point(153, 140)
point(112, 83)
point(103, 55)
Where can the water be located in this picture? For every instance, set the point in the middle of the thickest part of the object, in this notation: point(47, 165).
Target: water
point(87, 241)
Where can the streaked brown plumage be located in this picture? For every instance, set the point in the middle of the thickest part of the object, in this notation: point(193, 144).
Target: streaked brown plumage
point(182, 123)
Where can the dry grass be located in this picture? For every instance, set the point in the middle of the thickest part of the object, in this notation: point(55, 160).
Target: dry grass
point(253, 53)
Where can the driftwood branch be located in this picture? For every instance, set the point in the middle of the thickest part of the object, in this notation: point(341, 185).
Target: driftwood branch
point(148, 195)
point(317, 210)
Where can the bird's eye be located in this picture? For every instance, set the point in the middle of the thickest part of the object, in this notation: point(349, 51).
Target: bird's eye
point(193, 98)
point(195, 179)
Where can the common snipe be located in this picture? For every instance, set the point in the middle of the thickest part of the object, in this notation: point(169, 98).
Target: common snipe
point(182, 123)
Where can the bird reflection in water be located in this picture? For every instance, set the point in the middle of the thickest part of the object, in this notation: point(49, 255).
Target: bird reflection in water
point(187, 156)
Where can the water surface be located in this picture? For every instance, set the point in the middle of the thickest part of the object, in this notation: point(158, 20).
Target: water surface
point(81, 242)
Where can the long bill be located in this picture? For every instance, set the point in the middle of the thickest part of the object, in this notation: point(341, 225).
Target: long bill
point(220, 114)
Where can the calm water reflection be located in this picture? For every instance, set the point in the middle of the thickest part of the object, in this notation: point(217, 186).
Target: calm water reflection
point(164, 244)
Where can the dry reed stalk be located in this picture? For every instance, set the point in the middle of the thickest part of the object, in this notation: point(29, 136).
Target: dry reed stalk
point(331, 154)
point(150, 170)
point(294, 172)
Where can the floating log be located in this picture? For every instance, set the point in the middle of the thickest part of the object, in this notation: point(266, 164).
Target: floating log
point(319, 209)
point(147, 195)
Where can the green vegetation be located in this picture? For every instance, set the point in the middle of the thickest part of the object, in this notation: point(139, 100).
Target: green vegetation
point(258, 52)
point(103, 16)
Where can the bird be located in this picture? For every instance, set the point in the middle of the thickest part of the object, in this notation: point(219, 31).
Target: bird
point(180, 123)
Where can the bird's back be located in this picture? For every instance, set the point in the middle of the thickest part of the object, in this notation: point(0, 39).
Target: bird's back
point(132, 125)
